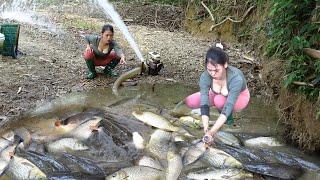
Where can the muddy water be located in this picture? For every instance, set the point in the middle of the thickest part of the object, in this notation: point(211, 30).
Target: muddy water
point(111, 149)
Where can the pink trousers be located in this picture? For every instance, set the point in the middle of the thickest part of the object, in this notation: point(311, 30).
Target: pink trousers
point(218, 100)
point(88, 55)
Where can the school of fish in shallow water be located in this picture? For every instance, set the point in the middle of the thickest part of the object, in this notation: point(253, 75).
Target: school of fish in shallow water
point(171, 151)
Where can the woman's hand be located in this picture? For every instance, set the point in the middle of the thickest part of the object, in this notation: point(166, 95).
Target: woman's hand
point(208, 137)
point(88, 48)
point(123, 60)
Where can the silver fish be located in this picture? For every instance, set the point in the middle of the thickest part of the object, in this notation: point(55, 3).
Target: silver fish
point(137, 173)
point(190, 121)
point(220, 159)
point(159, 143)
point(4, 143)
point(5, 157)
point(138, 140)
point(20, 168)
point(221, 174)
point(227, 138)
point(155, 120)
point(84, 130)
point(174, 165)
point(66, 144)
point(262, 142)
point(150, 162)
point(194, 153)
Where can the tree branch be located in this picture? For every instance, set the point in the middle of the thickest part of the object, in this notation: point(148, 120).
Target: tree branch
point(232, 20)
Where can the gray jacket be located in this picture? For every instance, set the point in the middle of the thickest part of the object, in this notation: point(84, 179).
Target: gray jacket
point(235, 84)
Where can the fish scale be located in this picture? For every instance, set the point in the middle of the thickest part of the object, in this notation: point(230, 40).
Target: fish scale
point(220, 159)
point(230, 174)
point(137, 173)
point(155, 120)
point(20, 168)
point(174, 165)
point(159, 143)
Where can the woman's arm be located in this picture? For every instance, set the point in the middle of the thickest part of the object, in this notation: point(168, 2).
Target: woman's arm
point(234, 91)
point(218, 124)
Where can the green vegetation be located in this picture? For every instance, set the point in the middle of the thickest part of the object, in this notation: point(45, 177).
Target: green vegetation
point(294, 25)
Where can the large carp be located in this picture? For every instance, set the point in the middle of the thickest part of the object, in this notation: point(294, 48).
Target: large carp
point(230, 174)
point(20, 168)
point(262, 142)
point(84, 130)
point(227, 138)
point(155, 120)
point(65, 145)
point(194, 153)
point(137, 173)
point(174, 164)
point(150, 162)
point(159, 143)
point(220, 159)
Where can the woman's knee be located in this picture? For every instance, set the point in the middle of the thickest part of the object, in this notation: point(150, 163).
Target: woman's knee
point(193, 101)
point(88, 55)
point(242, 101)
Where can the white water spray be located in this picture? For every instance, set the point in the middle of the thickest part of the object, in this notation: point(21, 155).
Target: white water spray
point(109, 10)
point(24, 11)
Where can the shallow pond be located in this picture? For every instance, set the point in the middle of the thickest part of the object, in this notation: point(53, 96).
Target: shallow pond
point(111, 148)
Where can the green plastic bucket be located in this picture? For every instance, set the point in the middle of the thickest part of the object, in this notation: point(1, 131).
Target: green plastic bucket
point(10, 45)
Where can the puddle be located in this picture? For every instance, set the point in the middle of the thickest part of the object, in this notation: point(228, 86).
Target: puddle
point(111, 147)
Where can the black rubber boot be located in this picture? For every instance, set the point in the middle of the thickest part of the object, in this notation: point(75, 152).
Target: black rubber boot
point(92, 70)
point(108, 70)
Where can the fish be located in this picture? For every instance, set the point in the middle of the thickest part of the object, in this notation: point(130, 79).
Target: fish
point(227, 138)
point(174, 164)
point(4, 143)
point(159, 143)
point(8, 136)
point(127, 75)
point(5, 157)
point(155, 120)
point(84, 130)
point(150, 162)
point(220, 159)
point(138, 140)
point(230, 174)
point(81, 117)
point(262, 142)
point(190, 121)
point(137, 173)
point(66, 144)
point(85, 165)
point(194, 153)
point(199, 164)
point(45, 161)
point(276, 170)
point(20, 168)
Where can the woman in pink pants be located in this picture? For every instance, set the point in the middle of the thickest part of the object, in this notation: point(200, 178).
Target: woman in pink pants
point(221, 86)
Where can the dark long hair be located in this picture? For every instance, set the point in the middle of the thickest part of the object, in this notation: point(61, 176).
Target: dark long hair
point(107, 27)
point(215, 56)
